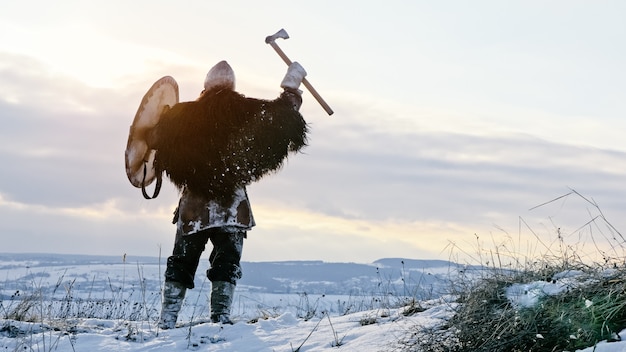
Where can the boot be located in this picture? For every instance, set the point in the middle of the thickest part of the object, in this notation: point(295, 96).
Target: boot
point(173, 295)
point(221, 299)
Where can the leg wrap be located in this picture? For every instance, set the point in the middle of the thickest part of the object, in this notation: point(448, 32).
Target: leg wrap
point(226, 256)
point(173, 296)
point(182, 265)
point(221, 299)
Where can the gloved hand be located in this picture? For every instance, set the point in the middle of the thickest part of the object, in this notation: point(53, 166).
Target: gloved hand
point(293, 78)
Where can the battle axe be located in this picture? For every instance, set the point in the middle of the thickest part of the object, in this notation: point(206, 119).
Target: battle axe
point(271, 40)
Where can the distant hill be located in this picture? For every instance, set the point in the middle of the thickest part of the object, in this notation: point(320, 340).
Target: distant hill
point(393, 276)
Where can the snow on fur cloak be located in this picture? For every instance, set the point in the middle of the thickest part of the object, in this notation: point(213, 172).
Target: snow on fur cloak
point(225, 140)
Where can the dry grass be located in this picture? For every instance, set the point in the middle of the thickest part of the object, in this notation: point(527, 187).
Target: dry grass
point(592, 308)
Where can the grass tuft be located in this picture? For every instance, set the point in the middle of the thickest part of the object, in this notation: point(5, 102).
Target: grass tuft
point(559, 299)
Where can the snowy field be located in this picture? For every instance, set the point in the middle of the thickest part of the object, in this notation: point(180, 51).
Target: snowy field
point(91, 303)
point(88, 303)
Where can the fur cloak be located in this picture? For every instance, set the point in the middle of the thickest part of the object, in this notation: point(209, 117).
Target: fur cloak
point(225, 140)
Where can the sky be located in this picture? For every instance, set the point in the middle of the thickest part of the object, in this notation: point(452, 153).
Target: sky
point(453, 121)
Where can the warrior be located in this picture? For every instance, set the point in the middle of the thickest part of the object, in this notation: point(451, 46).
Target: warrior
point(211, 149)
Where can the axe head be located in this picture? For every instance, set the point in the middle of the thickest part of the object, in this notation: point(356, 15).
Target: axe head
point(280, 34)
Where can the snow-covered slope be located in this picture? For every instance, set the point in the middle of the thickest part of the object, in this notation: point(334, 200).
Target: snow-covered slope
point(87, 303)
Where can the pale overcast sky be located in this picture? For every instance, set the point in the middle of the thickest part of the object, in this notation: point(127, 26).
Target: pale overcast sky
point(452, 120)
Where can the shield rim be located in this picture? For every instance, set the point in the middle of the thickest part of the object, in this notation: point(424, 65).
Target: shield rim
point(140, 163)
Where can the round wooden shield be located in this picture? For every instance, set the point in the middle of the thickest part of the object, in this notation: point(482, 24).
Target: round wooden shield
point(139, 157)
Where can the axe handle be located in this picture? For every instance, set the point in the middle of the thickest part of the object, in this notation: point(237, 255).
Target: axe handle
point(317, 97)
point(306, 83)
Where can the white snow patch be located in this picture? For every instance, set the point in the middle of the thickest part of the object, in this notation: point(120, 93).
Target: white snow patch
point(527, 295)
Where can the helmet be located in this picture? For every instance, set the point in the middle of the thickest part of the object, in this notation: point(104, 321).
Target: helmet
point(220, 75)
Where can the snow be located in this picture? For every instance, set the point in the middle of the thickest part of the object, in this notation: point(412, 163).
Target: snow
point(528, 294)
point(283, 333)
point(264, 321)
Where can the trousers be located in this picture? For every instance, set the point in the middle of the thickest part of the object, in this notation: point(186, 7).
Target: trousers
point(224, 259)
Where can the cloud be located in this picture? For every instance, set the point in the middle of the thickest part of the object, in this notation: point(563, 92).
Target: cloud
point(64, 140)
point(307, 234)
point(413, 175)
point(426, 190)
point(374, 181)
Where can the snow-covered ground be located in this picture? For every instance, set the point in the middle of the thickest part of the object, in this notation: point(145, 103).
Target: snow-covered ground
point(376, 330)
point(104, 304)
